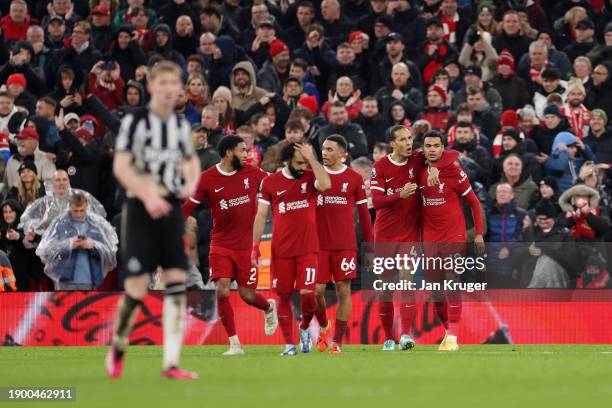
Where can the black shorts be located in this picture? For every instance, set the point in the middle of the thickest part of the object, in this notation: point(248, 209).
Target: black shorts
point(147, 243)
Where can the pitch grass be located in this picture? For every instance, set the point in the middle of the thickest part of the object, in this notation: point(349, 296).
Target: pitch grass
point(362, 376)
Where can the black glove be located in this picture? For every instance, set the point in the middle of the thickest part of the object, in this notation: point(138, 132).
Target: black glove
point(473, 37)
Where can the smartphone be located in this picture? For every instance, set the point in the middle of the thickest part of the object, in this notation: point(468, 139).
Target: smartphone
point(89, 125)
point(81, 237)
point(108, 66)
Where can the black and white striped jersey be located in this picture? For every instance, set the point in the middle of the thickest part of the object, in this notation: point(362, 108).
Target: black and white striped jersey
point(159, 147)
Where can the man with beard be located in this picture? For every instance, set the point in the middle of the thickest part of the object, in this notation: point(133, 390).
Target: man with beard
point(230, 189)
point(292, 194)
point(275, 71)
point(576, 113)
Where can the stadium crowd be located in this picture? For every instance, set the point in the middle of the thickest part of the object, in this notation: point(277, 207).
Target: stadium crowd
point(522, 89)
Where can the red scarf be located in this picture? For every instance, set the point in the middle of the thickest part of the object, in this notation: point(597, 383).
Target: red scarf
point(253, 157)
point(535, 73)
point(450, 27)
point(436, 61)
point(581, 228)
point(598, 282)
point(579, 119)
point(452, 131)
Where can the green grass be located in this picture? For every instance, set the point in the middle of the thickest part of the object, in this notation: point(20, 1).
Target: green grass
point(476, 376)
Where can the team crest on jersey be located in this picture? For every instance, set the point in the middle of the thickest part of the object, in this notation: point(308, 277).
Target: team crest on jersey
point(223, 204)
point(281, 208)
point(304, 186)
point(373, 172)
point(319, 200)
point(411, 173)
point(344, 187)
point(246, 183)
point(441, 188)
point(462, 176)
point(389, 191)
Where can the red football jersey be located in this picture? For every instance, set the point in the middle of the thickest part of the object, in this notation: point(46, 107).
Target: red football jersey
point(400, 220)
point(293, 202)
point(443, 219)
point(336, 210)
point(232, 198)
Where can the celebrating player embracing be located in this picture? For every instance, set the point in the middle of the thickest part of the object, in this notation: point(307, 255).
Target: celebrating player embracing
point(230, 189)
point(291, 193)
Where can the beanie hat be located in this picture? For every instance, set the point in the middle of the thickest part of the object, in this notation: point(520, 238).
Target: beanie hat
point(513, 134)
point(576, 86)
point(223, 92)
point(550, 182)
point(505, 58)
point(163, 28)
point(310, 103)
point(276, 47)
point(439, 90)
point(354, 35)
point(509, 118)
point(601, 113)
point(553, 110)
point(17, 79)
point(546, 208)
point(28, 164)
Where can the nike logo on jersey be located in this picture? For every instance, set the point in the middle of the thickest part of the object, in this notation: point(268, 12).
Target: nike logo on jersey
point(388, 180)
point(280, 192)
point(219, 189)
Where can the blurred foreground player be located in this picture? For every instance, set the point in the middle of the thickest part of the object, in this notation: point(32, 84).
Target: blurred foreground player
point(397, 202)
point(156, 164)
point(444, 231)
point(292, 194)
point(337, 240)
point(230, 189)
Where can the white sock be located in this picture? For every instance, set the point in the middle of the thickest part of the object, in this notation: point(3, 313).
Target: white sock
point(175, 307)
point(234, 340)
point(452, 338)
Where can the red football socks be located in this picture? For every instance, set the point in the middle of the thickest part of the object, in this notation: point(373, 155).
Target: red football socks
point(321, 315)
point(454, 313)
point(309, 307)
point(407, 312)
point(285, 317)
point(226, 314)
point(386, 314)
point(442, 312)
point(260, 302)
point(339, 331)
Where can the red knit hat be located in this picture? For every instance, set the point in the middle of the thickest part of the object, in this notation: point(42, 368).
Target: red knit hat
point(310, 103)
point(510, 118)
point(505, 58)
point(354, 35)
point(276, 47)
point(17, 79)
point(439, 90)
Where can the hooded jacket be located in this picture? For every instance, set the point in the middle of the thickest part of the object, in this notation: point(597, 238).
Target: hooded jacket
point(242, 101)
point(220, 69)
point(600, 96)
point(166, 51)
point(561, 166)
point(130, 58)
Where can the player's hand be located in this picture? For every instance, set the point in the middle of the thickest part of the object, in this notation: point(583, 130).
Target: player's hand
point(255, 254)
point(306, 151)
point(534, 251)
point(408, 190)
point(479, 245)
point(433, 179)
point(157, 207)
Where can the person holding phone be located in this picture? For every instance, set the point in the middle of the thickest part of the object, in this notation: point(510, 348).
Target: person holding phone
point(106, 83)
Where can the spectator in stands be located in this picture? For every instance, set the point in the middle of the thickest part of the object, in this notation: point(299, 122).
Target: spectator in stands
point(102, 31)
point(504, 225)
point(206, 152)
point(184, 40)
point(435, 52)
point(394, 53)
point(402, 88)
point(380, 150)
point(348, 64)
point(465, 143)
point(127, 15)
point(339, 124)
point(554, 123)
point(28, 188)
point(253, 153)
point(56, 33)
point(222, 100)
point(455, 22)
point(510, 37)
point(582, 69)
point(576, 113)
point(397, 114)
point(79, 248)
point(27, 148)
point(599, 138)
point(262, 126)
point(473, 78)
point(512, 89)
point(483, 115)
point(549, 190)
point(568, 155)
point(536, 67)
point(513, 143)
point(296, 34)
point(602, 52)
point(346, 94)
point(566, 27)
point(245, 92)
point(16, 86)
point(106, 83)
point(336, 25)
point(80, 55)
point(294, 133)
point(580, 205)
point(162, 38)
point(584, 41)
point(521, 182)
point(436, 112)
point(126, 52)
point(477, 50)
point(371, 121)
point(15, 24)
point(20, 63)
point(275, 70)
point(599, 92)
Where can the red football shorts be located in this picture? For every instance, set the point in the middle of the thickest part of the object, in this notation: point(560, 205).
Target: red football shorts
point(233, 264)
point(296, 273)
point(337, 266)
point(437, 255)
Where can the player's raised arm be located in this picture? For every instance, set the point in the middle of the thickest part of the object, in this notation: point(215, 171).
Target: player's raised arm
point(323, 181)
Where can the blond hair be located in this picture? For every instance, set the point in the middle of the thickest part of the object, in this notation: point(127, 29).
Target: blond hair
point(165, 67)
